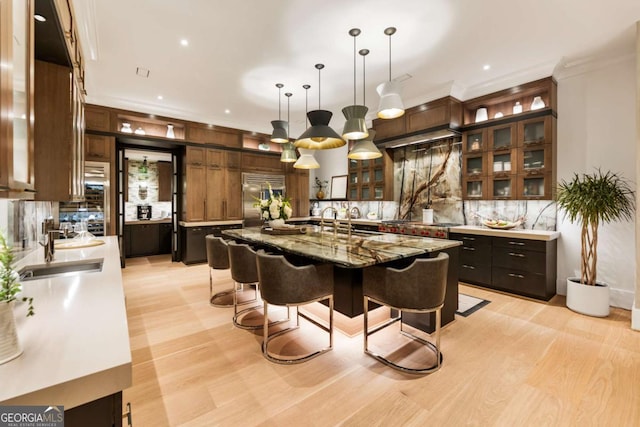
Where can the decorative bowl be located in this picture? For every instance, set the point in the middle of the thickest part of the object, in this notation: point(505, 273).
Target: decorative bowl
point(499, 224)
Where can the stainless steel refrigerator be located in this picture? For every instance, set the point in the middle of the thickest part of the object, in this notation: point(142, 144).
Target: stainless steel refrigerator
point(256, 187)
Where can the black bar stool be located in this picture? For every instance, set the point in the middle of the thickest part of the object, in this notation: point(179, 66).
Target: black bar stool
point(284, 284)
point(419, 288)
point(218, 259)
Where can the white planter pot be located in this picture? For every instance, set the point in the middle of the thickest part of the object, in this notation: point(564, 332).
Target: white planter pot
point(276, 223)
point(589, 300)
point(427, 216)
point(9, 344)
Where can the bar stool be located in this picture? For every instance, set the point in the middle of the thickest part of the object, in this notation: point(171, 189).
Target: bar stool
point(284, 284)
point(218, 259)
point(418, 288)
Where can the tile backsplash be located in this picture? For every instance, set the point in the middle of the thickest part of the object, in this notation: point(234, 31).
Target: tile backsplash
point(20, 221)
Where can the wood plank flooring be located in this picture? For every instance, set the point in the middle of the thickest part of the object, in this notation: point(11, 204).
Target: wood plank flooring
point(513, 362)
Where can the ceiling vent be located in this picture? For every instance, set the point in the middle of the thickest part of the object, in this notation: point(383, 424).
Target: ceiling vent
point(142, 72)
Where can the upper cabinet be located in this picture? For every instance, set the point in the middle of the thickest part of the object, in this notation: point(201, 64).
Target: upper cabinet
point(17, 177)
point(512, 153)
point(371, 179)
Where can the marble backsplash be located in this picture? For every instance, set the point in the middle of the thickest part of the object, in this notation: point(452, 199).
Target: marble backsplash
point(22, 223)
point(143, 189)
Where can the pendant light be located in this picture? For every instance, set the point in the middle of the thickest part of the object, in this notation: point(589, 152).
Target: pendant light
point(288, 150)
point(319, 136)
point(306, 160)
point(279, 134)
point(355, 127)
point(365, 149)
point(391, 105)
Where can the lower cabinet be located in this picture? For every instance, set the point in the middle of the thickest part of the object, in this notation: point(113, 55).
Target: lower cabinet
point(147, 239)
point(193, 244)
point(103, 412)
point(520, 266)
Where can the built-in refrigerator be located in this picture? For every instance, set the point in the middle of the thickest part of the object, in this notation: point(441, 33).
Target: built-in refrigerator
point(255, 187)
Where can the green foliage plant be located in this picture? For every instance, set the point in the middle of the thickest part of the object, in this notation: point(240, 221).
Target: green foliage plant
point(9, 278)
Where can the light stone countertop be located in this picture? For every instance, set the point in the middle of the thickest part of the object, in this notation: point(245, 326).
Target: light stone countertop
point(76, 346)
point(148, 221)
point(516, 233)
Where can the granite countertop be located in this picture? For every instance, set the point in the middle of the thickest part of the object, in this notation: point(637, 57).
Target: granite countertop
point(513, 233)
point(76, 346)
point(363, 221)
point(362, 250)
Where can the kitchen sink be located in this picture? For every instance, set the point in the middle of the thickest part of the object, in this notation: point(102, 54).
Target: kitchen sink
point(58, 269)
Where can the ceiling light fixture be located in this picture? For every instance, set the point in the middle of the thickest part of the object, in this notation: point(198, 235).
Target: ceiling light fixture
point(279, 133)
point(160, 97)
point(319, 136)
point(184, 42)
point(355, 127)
point(486, 67)
point(288, 150)
point(306, 160)
point(391, 105)
point(365, 149)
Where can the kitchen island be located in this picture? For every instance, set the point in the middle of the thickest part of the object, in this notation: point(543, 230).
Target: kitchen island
point(351, 255)
point(76, 346)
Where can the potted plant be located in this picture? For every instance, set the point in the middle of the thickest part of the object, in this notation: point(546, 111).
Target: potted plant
point(590, 200)
point(320, 185)
point(9, 288)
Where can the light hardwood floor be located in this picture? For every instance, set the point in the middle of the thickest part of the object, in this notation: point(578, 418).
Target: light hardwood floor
point(513, 362)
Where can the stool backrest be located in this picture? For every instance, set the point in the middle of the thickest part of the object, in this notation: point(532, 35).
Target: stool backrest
point(242, 260)
point(217, 252)
point(284, 283)
point(420, 286)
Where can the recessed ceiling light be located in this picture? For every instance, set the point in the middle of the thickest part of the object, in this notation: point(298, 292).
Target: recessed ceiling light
point(39, 18)
point(227, 111)
point(184, 42)
point(160, 97)
point(486, 67)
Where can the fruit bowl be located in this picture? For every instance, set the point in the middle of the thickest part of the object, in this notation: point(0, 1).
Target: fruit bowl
point(499, 224)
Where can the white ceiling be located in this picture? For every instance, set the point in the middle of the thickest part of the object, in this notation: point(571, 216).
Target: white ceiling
point(239, 50)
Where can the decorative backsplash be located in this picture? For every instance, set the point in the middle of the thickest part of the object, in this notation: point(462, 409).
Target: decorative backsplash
point(143, 190)
point(23, 221)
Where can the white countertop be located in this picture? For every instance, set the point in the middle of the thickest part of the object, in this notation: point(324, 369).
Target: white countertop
point(210, 223)
point(76, 346)
point(513, 233)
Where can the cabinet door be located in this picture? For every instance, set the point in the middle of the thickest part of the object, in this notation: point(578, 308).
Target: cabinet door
point(215, 193)
point(145, 239)
point(196, 155)
point(97, 118)
point(195, 192)
point(233, 200)
point(303, 192)
point(97, 148)
point(17, 99)
point(502, 137)
point(215, 158)
point(233, 160)
point(474, 141)
point(535, 131)
point(165, 173)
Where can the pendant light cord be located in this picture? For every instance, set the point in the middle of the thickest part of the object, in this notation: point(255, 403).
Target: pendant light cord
point(280, 98)
point(389, 57)
point(306, 104)
point(354, 70)
point(364, 86)
point(319, 87)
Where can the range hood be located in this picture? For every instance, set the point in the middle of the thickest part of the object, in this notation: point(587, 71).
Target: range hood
point(431, 135)
point(429, 122)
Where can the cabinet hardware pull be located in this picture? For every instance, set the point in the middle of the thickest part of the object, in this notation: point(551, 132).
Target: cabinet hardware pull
point(519, 276)
point(128, 415)
point(467, 248)
point(471, 267)
point(468, 238)
point(517, 255)
point(516, 243)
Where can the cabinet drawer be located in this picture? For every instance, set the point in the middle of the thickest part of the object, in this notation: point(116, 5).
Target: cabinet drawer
point(474, 272)
point(470, 240)
point(521, 244)
point(529, 261)
point(475, 256)
point(520, 282)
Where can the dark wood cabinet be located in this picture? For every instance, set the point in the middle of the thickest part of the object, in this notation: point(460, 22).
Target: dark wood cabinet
point(165, 181)
point(193, 242)
point(98, 148)
point(371, 179)
point(520, 266)
point(103, 412)
point(144, 239)
point(164, 238)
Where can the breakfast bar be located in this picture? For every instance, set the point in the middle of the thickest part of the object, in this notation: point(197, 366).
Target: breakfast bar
point(351, 254)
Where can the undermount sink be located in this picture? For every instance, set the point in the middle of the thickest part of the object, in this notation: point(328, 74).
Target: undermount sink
point(58, 269)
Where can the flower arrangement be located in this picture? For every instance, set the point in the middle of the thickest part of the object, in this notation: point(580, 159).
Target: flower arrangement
point(275, 207)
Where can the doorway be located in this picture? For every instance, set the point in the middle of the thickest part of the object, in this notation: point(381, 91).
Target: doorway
point(147, 201)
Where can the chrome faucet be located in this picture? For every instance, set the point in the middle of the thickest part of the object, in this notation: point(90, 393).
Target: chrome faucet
point(335, 221)
point(49, 240)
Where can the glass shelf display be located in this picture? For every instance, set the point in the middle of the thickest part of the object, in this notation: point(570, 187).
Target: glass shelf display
point(534, 132)
point(502, 138)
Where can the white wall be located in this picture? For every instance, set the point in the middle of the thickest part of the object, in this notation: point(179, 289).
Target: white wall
point(597, 128)
point(332, 163)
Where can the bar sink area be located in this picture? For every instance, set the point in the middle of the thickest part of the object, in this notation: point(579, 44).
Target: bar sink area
point(69, 268)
